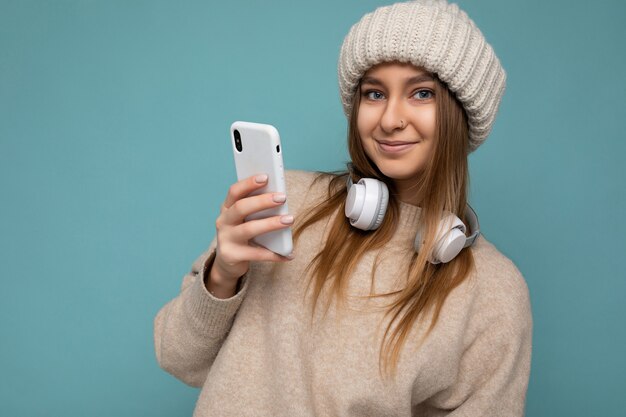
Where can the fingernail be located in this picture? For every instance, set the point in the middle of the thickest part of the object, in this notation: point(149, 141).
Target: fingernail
point(290, 256)
point(286, 219)
point(279, 198)
point(260, 178)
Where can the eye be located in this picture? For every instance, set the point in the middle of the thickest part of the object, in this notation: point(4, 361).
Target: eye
point(423, 94)
point(374, 95)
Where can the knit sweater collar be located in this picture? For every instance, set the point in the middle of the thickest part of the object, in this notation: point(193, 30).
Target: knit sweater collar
point(408, 223)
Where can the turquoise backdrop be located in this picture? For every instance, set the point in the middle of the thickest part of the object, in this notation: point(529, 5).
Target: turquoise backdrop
point(115, 156)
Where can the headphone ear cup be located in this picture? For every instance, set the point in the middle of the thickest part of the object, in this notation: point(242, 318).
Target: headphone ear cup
point(366, 203)
point(383, 202)
point(449, 240)
point(449, 246)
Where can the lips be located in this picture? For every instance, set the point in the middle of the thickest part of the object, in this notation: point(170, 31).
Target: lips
point(394, 146)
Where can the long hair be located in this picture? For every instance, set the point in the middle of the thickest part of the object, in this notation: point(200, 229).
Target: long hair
point(443, 183)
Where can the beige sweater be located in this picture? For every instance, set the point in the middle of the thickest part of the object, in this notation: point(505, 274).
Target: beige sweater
point(256, 354)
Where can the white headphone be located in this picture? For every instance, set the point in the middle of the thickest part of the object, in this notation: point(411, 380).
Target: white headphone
point(366, 206)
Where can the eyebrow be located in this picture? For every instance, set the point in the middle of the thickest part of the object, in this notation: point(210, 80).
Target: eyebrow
point(413, 80)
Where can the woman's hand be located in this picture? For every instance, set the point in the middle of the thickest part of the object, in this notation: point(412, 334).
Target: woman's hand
point(234, 249)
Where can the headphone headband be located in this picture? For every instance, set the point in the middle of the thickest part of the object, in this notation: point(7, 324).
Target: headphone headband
point(472, 219)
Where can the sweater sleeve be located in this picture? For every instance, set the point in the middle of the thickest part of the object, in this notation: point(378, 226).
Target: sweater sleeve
point(190, 329)
point(494, 367)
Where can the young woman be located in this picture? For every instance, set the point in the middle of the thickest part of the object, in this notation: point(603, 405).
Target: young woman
point(400, 309)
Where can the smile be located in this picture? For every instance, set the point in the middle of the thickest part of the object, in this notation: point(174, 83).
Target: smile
point(395, 147)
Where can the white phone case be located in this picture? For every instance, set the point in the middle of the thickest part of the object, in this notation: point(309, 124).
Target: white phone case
point(262, 153)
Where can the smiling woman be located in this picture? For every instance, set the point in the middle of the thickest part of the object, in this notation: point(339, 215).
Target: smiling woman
point(420, 315)
point(396, 120)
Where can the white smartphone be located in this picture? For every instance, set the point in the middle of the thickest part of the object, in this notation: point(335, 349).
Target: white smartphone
point(257, 150)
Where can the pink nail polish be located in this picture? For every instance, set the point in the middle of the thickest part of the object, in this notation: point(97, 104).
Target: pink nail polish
point(286, 219)
point(279, 198)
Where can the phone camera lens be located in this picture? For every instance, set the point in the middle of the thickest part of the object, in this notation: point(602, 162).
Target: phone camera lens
point(238, 144)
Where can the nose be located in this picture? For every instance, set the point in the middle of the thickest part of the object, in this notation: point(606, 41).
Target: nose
point(393, 117)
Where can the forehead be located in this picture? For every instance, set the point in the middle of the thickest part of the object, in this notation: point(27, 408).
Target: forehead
point(396, 69)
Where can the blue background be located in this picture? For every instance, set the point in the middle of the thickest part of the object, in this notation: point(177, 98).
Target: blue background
point(114, 159)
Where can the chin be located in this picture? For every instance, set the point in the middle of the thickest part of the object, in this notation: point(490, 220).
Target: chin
point(398, 173)
point(401, 175)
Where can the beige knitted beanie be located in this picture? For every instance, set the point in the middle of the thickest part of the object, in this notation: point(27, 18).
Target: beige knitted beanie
point(438, 37)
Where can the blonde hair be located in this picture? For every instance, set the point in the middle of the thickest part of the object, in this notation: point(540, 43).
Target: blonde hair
point(443, 183)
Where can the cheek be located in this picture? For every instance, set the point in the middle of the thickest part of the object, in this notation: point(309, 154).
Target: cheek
point(366, 121)
point(426, 121)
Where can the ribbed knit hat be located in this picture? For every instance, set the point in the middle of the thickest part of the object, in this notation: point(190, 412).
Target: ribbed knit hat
point(438, 37)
